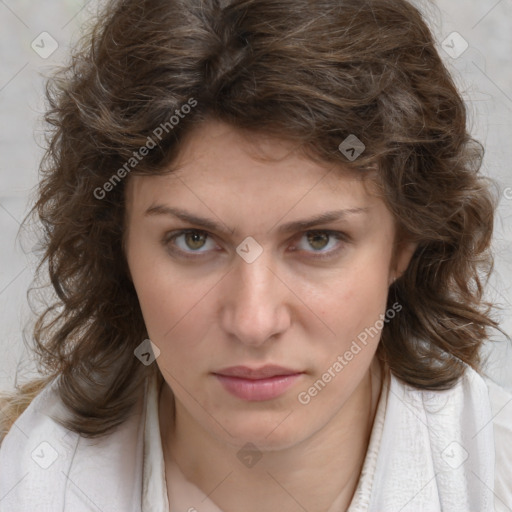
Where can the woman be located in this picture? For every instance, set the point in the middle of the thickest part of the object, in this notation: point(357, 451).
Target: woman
point(267, 234)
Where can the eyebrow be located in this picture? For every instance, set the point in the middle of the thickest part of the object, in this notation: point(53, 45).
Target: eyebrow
point(297, 225)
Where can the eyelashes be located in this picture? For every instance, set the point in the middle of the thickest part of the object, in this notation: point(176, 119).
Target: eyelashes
point(191, 239)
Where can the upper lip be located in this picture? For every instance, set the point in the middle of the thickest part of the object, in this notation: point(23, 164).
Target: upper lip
point(264, 372)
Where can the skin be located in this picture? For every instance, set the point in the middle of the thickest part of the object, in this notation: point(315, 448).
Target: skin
point(288, 307)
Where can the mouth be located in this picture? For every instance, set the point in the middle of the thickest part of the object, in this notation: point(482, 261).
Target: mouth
point(257, 384)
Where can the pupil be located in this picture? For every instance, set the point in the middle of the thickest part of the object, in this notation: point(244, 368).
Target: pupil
point(194, 237)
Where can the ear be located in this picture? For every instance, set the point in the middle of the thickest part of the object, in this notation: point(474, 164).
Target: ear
point(402, 256)
point(124, 246)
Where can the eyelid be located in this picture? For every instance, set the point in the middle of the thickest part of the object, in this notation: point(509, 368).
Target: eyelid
point(339, 235)
point(172, 235)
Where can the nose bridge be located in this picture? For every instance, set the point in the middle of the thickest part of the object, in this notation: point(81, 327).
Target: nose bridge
point(255, 309)
point(256, 281)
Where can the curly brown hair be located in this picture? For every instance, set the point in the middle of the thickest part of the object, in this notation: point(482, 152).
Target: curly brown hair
point(312, 73)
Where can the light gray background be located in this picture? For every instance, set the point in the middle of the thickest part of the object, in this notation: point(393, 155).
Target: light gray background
point(483, 73)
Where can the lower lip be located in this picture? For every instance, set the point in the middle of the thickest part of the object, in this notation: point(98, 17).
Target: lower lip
point(258, 390)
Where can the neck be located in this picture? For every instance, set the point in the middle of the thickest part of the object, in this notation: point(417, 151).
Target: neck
point(319, 473)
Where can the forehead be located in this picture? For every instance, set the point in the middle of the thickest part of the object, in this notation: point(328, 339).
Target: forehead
point(215, 158)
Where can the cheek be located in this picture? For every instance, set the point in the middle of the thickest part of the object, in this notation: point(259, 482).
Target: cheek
point(164, 296)
point(359, 294)
point(175, 311)
point(353, 306)
point(354, 310)
point(168, 306)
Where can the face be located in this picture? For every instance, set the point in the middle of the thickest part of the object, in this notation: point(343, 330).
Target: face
point(259, 316)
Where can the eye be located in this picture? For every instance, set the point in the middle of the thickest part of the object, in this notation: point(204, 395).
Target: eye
point(187, 241)
point(321, 239)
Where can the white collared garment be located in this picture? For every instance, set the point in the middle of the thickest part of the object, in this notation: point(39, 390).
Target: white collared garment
point(428, 452)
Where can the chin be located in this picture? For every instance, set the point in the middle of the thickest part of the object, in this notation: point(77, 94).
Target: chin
point(265, 431)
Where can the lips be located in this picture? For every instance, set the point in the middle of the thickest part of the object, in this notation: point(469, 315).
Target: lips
point(244, 372)
point(257, 384)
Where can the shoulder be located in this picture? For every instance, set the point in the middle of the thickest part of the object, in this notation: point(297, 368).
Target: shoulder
point(501, 405)
point(474, 405)
point(34, 456)
point(45, 466)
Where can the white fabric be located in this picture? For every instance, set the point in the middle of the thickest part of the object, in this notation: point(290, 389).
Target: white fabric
point(437, 450)
point(414, 460)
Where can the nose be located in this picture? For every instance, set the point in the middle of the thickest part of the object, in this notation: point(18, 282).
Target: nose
point(256, 304)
